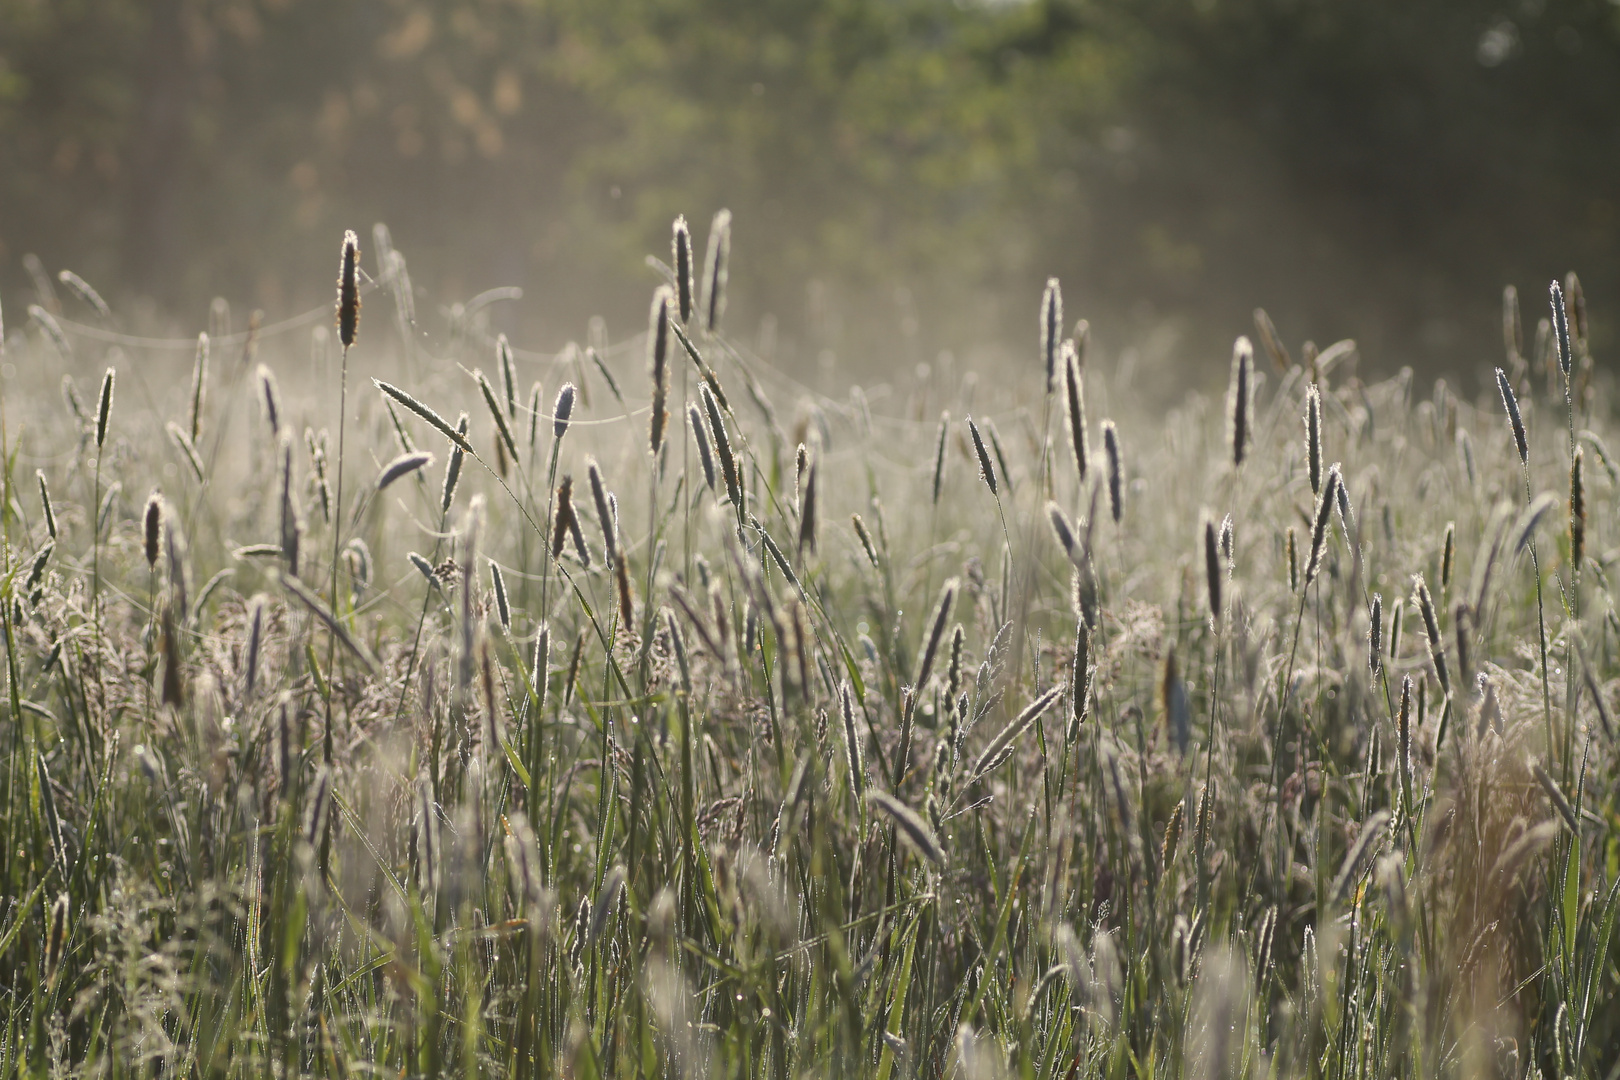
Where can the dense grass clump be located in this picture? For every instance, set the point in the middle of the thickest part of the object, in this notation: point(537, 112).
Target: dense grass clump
point(1269, 737)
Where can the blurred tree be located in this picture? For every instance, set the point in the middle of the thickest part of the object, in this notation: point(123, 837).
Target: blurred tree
point(1378, 168)
point(904, 173)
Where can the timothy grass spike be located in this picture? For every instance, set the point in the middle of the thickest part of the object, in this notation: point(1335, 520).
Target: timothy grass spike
point(104, 405)
point(348, 300)
point(1116, 471)
point(496, 414)
point(681, 253)
point(658, 365)
point(716, 269)
point(199, 386)
point(439, 423)
point(1076, 400)
point(911, 826)
point(1051, 330)
point(45, 503)
point(1313, 436)
point(1431, 628)
point(987, 470)
point(403, 465)
point(1238, 400)
point(1510, 402)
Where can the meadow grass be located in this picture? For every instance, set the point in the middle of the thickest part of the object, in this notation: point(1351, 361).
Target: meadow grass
point(540, 749)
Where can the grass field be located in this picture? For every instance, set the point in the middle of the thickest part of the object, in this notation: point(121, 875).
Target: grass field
point(681, 721)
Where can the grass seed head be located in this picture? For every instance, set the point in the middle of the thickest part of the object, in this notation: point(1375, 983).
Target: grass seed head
point(152, 527)
point(1448, 556)
point(700, 434)
point(1372, 831)
point(497, 415)
point(1560, 318)
point(987, 471)
point(1462, 629)
point(722, 445)
point(104, 406)
point(452, 470)
point(255, 642)
point(1267, 332)
point(1293, 559)
point(52, 330)
point(561, 410)
point(1313, 436)
point(1375, 635)
point(56, 938)
point(658, 365)
point(854, 755)
point(1172, 836)
point(45, 503)
point(199, 386)
point(537, 396)
point(808, 510)
point(604, 514)
point(910, 825)
point(87, 293)
point(563, 518)
point(1577, 511)
point(1076, 401)
point(1431, 628)
point(1238, 396)
point(1575, 309)
point(716, 268)
point(348, 299)
point(503, 606)
point(1051, 330)
point(509, 389)
point(1510, 402)
point(1064, 532)
point(936, 634)
point(681, 252)
point(1212, 570)
point(1324, 511)
point(1116, 471)
point(866, 540)
point(269, 399)
point(403, 465)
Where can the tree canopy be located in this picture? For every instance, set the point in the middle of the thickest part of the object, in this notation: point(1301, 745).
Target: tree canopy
point(904, 173)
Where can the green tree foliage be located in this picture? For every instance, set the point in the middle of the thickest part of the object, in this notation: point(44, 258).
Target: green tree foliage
point(1355, 167)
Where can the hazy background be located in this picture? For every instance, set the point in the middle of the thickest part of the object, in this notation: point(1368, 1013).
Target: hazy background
point(904, 173)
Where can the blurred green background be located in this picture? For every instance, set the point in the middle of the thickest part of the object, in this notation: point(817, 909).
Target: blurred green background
point(904, 173)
